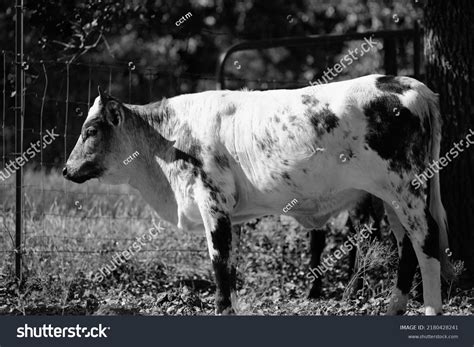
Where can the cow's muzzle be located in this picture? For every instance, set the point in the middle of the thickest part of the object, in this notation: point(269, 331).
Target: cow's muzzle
point(76, 179)
point(82, 175)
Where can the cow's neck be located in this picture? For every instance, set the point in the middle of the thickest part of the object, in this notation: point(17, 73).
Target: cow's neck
point(159, 116)
point(148, 178)
point(147, 122)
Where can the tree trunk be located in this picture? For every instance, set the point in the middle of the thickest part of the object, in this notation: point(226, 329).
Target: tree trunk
point(449, 50)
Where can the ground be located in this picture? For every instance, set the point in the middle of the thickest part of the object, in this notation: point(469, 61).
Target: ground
point(71, 231)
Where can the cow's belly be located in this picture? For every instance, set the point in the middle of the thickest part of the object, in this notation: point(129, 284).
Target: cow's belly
point(324, 205)
point(297, 204)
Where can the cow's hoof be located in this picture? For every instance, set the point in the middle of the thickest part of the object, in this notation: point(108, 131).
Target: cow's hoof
point(395, 309)
point(357, 285)
point(398, 303)
point(314, 293)
point(432, 311)
point(228, 311)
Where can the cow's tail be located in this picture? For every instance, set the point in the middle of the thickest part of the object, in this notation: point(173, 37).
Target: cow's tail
point(436, 206)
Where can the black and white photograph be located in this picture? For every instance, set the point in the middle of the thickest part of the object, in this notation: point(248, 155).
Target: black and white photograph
point(304, 165)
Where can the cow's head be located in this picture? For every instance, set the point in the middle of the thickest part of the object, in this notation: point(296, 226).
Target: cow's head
point(102, 145)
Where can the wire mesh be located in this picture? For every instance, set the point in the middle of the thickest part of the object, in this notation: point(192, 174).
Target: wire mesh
point(64, 219)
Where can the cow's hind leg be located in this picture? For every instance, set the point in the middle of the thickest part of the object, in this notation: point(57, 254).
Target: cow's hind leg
point(407, 265)
point(317, 244)
point(370, 207)
point(423, 233)
point(427, 252)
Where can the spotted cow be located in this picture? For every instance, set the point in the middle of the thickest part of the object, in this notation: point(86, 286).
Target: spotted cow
point(219, 158)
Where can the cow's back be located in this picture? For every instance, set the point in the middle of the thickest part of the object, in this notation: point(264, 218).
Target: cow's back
point(301, 143)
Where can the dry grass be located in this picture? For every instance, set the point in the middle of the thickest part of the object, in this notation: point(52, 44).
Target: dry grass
point(73, 230)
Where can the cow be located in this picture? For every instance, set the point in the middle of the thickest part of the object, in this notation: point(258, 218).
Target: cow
point(216, 159)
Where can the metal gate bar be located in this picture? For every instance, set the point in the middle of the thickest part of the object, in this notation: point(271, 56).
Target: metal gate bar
point(388, 36)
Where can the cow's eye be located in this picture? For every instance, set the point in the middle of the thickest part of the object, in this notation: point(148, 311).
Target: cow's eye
point(91, 132)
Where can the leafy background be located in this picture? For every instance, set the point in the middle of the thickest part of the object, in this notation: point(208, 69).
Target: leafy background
point(71, 231)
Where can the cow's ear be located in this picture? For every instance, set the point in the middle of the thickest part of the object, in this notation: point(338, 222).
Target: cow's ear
point(103, 95)
point(114, 113)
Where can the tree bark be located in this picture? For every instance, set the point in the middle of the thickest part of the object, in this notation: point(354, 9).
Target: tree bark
point(449, 42)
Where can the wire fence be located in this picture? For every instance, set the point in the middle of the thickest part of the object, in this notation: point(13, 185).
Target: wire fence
point(54, 209)
point(70, 221)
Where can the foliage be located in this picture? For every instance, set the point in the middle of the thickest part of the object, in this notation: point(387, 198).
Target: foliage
point(167, 59)
point(84, 43)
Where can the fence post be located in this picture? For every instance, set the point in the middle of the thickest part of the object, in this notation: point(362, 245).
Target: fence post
point(19, 122)
point(390, 56)
point(416, 51)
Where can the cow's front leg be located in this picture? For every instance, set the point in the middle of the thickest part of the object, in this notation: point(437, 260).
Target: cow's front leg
point(220, 242)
